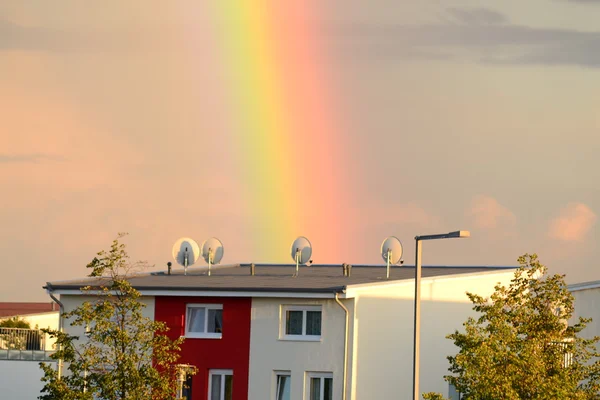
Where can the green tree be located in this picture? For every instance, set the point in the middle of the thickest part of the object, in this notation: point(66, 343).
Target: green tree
point(124, 355)
point(521, 345)
point(15, 322)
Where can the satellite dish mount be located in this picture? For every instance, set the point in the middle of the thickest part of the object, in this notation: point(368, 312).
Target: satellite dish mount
point(212, 252)
point(301, 252)
point(185, 252)
point(391, 251)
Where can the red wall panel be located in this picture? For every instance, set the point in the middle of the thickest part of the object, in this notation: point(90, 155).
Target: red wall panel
point(232, 351)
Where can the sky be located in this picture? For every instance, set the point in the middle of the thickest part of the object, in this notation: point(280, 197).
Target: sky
point(257, 122)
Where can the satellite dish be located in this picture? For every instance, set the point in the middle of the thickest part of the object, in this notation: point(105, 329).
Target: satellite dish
point(212, 252)
point(301, 251)
point(391, 252)
point(186, 252)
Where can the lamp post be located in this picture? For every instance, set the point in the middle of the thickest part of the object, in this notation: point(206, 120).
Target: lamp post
point(417, 325)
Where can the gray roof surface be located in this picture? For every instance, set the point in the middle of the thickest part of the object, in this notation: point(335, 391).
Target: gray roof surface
point(274, 278)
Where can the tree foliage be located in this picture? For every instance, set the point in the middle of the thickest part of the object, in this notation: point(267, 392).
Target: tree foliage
point(124, 355)
point(521, 346)
point(15, 322)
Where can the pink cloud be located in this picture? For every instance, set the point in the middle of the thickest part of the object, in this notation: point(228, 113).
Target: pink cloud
point(573, 223)
point(487, 213)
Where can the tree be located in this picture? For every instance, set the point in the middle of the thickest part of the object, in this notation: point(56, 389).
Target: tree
point(15, 322)
point(124, 355)
point(521, 345)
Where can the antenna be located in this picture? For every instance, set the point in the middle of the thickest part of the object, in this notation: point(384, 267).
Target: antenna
point(391, 251)
point(186, 252)
point(212, 251)
point(301, 252)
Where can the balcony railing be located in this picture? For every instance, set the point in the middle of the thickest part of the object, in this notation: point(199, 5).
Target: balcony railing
point(24, 344)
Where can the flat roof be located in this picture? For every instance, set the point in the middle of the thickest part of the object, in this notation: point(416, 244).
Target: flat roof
point(273, 278)
point(10, 309)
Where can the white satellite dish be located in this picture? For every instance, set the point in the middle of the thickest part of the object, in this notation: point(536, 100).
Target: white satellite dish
point(212, 252)
point(391, 252)
point(301, 252)
point(186, 252)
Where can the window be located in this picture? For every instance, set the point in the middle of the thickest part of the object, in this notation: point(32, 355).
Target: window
point(204, 321)
point(187, 387)
point(220, 384)
point(282, 389)
point(320, 386)
point(301, 322)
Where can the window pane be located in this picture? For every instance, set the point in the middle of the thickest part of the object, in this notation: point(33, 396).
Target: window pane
point(283, 387)
point(313, 323)
point(293, 323)
point(195, 319)
point(315, 388)
point(328, 392)
point(187, 388)
point(215, 321)
point(215, 387)
point(228, 387)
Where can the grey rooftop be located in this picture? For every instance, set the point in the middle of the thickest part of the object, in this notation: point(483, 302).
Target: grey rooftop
point(274, 278)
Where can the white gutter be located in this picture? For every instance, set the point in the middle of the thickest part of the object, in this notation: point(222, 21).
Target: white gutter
point(60, 328)
point(345, 379)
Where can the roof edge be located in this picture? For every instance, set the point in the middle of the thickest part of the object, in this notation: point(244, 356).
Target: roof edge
point(410, 281)
point(576, 287)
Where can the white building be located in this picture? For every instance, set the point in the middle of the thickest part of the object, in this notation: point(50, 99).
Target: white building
point(587, 305)
point(267, 335)
point(21, 350)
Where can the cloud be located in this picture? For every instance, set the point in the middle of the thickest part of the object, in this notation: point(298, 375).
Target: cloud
point(573, 223)
point(28, 158)
point(488, 214)
point(484, 35)
point(477, 16)
point(15, 36)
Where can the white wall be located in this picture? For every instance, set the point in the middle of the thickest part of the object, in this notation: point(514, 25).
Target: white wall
point(70, 302)
point(383, 333)
point(20, 380)
point(587, 305)
point(268, 353)
point(43, 320)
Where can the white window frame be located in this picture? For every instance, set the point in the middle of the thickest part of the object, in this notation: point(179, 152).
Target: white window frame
point(322, 376)
point(277, 374)
point(202, 335)
point(222, 373)
point(302, 337)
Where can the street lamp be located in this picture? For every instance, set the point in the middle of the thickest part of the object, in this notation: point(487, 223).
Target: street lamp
point(417, 326)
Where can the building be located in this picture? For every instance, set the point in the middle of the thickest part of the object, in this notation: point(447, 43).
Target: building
point(256, 332)
point(21, 350)
point(587, 305)
point(38, 315)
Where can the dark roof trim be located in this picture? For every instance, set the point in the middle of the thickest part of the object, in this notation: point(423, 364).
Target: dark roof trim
point(328, 290)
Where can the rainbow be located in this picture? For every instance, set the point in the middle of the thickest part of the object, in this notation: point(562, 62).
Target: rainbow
point(286, 126)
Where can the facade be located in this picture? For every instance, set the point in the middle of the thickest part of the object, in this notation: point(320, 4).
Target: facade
point(21, 350)
point(227, 350)
point(255, 332)
point(587, 305)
